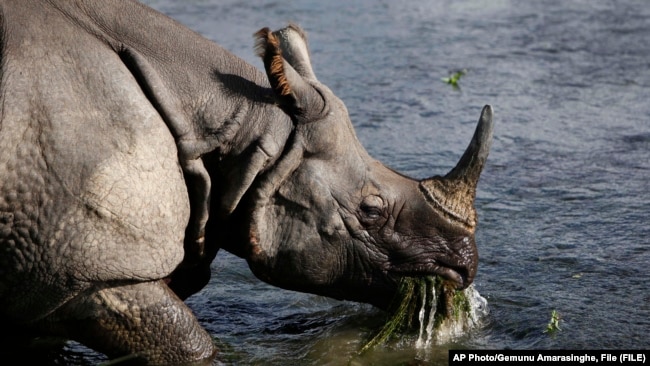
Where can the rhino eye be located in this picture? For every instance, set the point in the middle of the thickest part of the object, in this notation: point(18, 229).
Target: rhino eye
point(371, 207)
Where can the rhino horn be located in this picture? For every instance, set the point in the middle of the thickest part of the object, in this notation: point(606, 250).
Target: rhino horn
point(286, 61)
point(454, 193)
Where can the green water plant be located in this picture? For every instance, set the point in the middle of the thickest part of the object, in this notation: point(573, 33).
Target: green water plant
point(454, 78)
point(448, 305)
point(399, 314)
point(554, 324)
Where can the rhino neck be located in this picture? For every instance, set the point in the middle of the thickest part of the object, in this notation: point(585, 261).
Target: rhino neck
point(219, 108)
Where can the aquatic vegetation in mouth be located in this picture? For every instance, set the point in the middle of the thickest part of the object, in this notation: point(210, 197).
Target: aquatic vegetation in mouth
point(434, 309)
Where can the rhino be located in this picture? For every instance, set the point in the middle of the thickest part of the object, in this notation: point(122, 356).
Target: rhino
point(132, 150)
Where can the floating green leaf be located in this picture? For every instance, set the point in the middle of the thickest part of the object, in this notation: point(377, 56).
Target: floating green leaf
point(454, 78)
point(554, 324)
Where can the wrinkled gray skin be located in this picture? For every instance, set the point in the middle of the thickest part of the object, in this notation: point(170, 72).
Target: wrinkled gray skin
point(132, 149)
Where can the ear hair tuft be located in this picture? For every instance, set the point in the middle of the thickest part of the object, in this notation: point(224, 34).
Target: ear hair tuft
point(268, 48)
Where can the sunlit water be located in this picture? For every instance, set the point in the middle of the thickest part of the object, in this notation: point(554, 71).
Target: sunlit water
point(563, 203)
point(426, 317)
point(452, 327)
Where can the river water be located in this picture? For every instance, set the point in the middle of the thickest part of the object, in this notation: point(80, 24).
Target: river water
point(564, 201)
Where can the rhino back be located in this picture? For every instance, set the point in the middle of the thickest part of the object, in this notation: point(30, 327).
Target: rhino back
point(90, 190)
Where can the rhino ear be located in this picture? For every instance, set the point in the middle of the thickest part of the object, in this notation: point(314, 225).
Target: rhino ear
point(293, 43)
point(291, 89)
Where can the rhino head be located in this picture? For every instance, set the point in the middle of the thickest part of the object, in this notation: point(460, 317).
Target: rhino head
point(329, 219)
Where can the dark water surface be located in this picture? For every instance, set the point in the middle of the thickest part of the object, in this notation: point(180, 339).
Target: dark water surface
point(563, 203)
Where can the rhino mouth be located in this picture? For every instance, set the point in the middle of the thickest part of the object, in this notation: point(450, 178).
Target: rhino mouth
point(457, 276)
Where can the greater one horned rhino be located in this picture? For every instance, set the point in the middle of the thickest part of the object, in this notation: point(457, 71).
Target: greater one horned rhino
point(132, 149)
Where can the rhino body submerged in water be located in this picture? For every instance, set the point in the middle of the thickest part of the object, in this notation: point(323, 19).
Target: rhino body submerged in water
point(132, 149)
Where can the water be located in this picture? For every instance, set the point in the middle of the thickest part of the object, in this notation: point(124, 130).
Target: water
point(451, 328)
point(426, 327)
point(458, 326)
point(563, 202)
